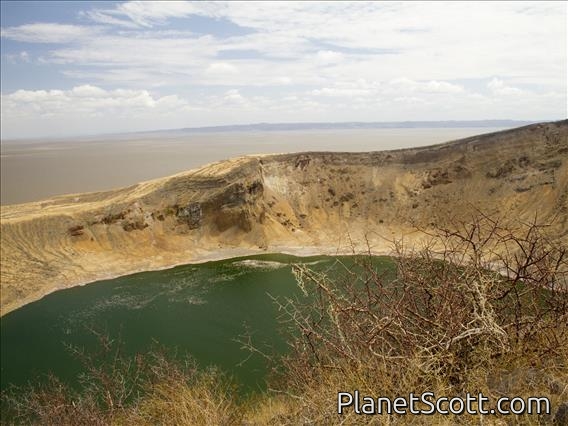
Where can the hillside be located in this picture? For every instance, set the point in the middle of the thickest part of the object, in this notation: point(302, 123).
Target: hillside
point(298, 203)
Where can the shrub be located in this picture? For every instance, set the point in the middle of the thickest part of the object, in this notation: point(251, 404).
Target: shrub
point(481, 307)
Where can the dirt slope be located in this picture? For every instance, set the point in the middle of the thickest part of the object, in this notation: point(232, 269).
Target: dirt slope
point(298, 203)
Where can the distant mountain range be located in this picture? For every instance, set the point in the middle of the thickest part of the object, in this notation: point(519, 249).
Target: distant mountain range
point(268, 127)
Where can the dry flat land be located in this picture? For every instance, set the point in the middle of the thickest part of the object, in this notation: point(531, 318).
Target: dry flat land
point(35, 170)
point(324, 201)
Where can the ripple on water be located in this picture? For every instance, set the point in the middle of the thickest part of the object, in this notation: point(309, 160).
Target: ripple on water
point(259, 264)
point(181, 288)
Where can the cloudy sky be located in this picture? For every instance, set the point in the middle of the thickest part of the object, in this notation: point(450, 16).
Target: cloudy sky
point(72, 68)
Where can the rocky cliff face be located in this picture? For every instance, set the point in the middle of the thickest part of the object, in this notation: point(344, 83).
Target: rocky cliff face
point(318, 200)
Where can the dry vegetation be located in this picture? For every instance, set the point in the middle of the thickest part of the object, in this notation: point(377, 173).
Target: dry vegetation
point(446, 324)
point(482, 308)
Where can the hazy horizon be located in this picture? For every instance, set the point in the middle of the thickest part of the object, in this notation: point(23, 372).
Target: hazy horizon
point(89, 68)
point(32, 171)
point(290, 127)
point(97, 95)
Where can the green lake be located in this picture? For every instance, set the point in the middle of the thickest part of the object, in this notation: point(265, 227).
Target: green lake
point(199, 310)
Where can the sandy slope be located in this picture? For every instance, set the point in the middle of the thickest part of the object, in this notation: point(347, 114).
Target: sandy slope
point(296, 203)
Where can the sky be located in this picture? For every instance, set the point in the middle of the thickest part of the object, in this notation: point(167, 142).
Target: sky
point(79, 68)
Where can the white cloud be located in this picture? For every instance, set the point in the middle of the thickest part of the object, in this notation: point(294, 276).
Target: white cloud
point(233, 96)
point(84, 99)
point(15, 58)
point(442, 87)
point(48, 33)
point(105, 18)
point(409, 100)
point(88, 91)
point(396, 87)
point(300, 61)
point(433, 86)
point(329, 56)
point(132, 51)
point(88, 109)
point(499, 88)
point(150, 13)
point(340, 92)
point(424, 41)
point(221, 68)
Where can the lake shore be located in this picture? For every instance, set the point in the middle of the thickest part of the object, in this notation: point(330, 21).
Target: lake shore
point(299, 203)
point(224, 254)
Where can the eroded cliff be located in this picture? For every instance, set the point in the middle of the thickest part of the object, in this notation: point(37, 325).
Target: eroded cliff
point(313, 201)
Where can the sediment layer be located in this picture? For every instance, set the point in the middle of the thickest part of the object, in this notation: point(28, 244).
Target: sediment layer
point(297, 203)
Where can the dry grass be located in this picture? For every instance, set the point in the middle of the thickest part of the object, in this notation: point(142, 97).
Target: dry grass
point(208, 401)
point(446, 322)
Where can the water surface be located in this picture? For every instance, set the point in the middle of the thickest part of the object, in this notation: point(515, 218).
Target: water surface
point(198, 310)
point(34, 170)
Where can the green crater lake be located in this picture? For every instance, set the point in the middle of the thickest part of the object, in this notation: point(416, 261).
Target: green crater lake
point(198, 310)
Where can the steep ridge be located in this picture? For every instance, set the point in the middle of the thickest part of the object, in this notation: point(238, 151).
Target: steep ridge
point(296, 203)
